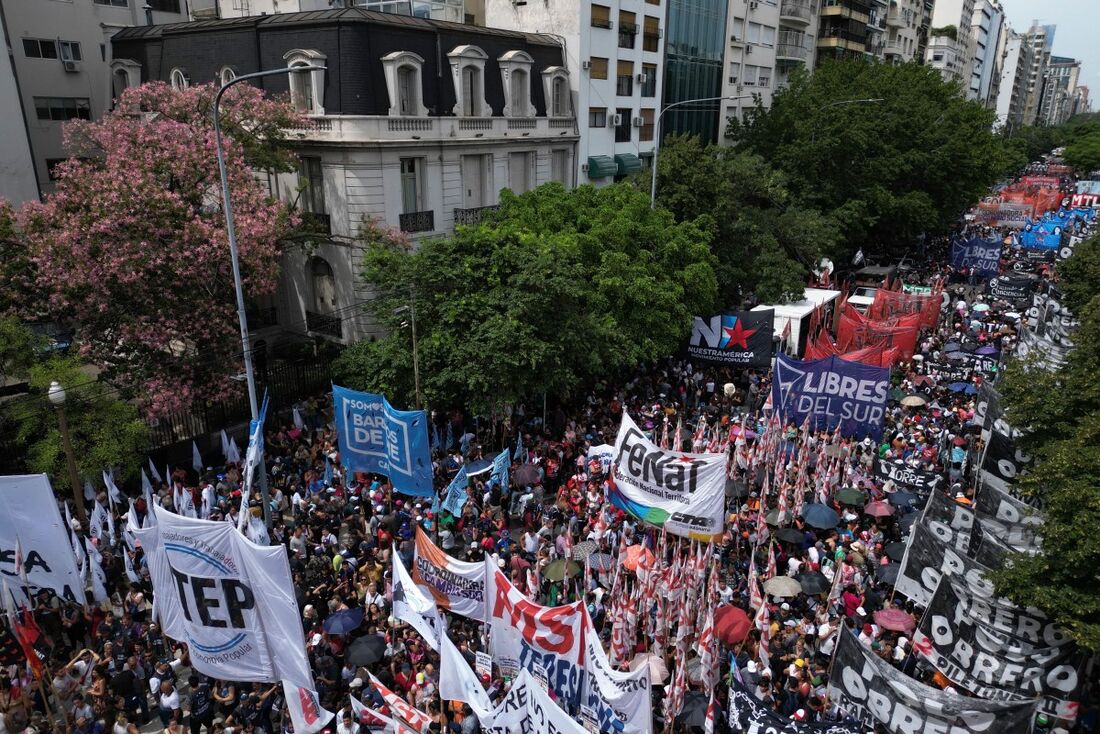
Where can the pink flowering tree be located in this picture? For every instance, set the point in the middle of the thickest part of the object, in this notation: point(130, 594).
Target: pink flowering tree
point(132, 247)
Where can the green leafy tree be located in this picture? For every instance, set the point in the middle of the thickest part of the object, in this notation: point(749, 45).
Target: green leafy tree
point(558, 289)
point(887, 171)
point(1084, 153)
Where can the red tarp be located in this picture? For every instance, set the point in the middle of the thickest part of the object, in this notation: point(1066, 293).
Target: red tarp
point(892, 304)
point(856, 332)
point(875, 356)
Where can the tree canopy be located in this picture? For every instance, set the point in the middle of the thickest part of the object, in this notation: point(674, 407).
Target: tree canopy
point(558, 288)
point(887, 170)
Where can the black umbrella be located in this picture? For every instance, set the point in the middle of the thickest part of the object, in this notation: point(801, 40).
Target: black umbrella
point(694, 711)
point(814, 582)
point(527, 475)
point(366, 651)
point(888, 574)
point(901, 498)
point(895, 551)
point(790, 535)
point(736, 489)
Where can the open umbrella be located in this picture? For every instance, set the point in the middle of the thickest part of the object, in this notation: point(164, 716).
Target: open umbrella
point(901, 498)
point(340, 623)
point(850, 496)
point(922, 380)
point(986, 350)
point(897, 394)
point(731, 624)
point(814, 582)
point(658, 671)
point(772, 518)
point(958, 386)
point(790, 535)
point(693, 714)
point(584, 549)
point(478, 466)
point(888, 573)
point(736, 490)
point(895, 551)
point(820, 516)
point(527, 475)
point(601, 562)
point(895, 619)
point(980, 307)
point(366, 651)
point(782, 586)
point(951, 347)
point(559, 569)
point(914, 401)
point(637, 555)
point(879, 508)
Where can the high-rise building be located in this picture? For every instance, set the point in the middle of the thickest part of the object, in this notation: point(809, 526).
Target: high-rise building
point(615, 56)
point(1084, 104)
point(877, 31)
point(60, 56)
point(695, 49)
point(1013, 88)
point(903, 30)
point(986, 33)
point(17, 181)
point(1041, 40)
point(843, 29)
point(1059, 102)
point(949, 40)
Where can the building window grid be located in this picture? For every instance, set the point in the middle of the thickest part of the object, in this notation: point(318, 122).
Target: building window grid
point(645, 133)
point(601, 16)
point(649, 86)
point(624, 80)
point(411, 198)
point(628, 29)
point(62, 109)
point(39, 48)
point(651, 34)
point(598, 69)
point(311, 182)
point(623, 129)
point(597, 117)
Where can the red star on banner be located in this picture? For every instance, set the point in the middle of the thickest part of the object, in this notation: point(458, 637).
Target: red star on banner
point(737, 335)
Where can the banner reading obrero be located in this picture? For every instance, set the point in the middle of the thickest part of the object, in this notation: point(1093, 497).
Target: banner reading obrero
point(455, 585)
point(684, 493)
point(232, 602)
point(376, 437)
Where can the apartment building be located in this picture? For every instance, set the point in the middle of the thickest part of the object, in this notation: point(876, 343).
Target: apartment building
point(843, 29)
point(986, 47)
point(614, 56)
point(949, 40)
point(17, 180)
point(877, 28)
point(695, 52)
point(60, 55)
point(902, 30)
point(1041, 40)
point(1060, 101)
point(1013, 89)
point(417, 124)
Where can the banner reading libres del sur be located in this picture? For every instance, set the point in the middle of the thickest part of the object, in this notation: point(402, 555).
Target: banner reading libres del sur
point(831, 392)
point(233, 603)
point(376, 437)
point(683, 493)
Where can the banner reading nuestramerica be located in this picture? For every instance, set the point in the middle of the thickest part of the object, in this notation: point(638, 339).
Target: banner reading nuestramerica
point(683, 493)
point(233, 603)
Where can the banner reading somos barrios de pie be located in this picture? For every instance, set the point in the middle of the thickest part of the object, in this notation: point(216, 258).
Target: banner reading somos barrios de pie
point(683, 493)
point(232, 602)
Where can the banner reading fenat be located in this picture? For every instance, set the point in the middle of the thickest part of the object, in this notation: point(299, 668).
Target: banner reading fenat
point(683, 493)
point(743, 339)
point(876, 694)
point(376, 437)
point(455, 585)
point(831, 391)
point(233, 603)
point(30, 522)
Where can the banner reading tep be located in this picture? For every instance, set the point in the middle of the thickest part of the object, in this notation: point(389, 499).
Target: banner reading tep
point(831, 391)
point(375, 437)
point(683, 493)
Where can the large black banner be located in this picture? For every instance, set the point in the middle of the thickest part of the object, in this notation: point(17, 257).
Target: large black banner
point(989, 410)
point(1041, 351)
point(748, 714)
point(1014, 288)
point(1013, 521)
point(985, 363)
point(994, 663)
point(928, 559)
point(876, 694)
point(906, 477)
point(1003, 461)
point(947, 372)
point(743, 339)
point(950, 522)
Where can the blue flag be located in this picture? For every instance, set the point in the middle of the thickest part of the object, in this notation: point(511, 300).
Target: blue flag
point(501, 465)
point(450, 436)
point(435, 438)
point(327, 479)
point(455, 494)
point(375, 437)
point(518, 456)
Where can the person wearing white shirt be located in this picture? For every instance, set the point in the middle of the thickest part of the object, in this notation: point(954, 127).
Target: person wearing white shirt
point(347, 725)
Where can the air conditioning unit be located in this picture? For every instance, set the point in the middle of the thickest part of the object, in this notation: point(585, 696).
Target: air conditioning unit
point(637, 121)
point(748, 50)
point(641, 78)
point(586, 64)
point(735, 39)
point(754, 5)
point(584, 168)
point(71, 66)
point(614, 120)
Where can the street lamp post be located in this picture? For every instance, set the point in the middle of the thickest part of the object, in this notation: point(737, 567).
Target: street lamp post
point(657, 139)
point(57, 396)
point(231, 233)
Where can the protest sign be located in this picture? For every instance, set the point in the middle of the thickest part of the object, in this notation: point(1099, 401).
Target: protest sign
point(619, 701)
point(233, 603)
point(743, 339)
point(1011, 287)
point(31, 523)
point(1002, 460)
point(1012, 520)
point(946, 372)
point(831, 392)
point(683, 493)
point(375, 437)
point(455, 585)
point(906, 477)
point(876, 694)
point(951, 522)
point(748, 714)
point(927, 559)
point(982, 255)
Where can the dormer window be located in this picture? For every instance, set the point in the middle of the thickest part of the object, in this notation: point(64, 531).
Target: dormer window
point(226, 75)
point(179, 79)
point(468, 74)
point(125, 74)
point(403, 84)
point(515, 77)
point(307, 88)
point(555, 87)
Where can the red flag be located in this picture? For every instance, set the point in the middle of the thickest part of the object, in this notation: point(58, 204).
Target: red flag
point(34, 643)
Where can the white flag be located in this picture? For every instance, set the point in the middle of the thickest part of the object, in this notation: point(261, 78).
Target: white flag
point(225, 445)
point(298, 422)
point(153, 471)
point(196, 457)
point(97, 521)
point(458, 681)
point(411, 605)
point(130, 573)
point(114, 495)
point(89, 490)
point(234, 455)
point(257, 532)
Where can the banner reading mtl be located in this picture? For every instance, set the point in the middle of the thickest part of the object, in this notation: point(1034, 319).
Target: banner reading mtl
point(743, 339)
point(832, 391)
point(375, 437)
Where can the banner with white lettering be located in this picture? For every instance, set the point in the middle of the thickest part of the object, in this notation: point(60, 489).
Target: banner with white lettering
point(528, 709)
point(376, 437)
point(951, 522)
point(831, 391)
point(878, 695)
point(994, 664)
point(743, 339)
point(683, 493)
point(1014, 288)
point(31, 522)
point(1012, 520)
point(1003, 462)
point(928, 558)
point(906, 477)
point(456, 586)
point(749, 714)
point(233, 603)
point(620, 701)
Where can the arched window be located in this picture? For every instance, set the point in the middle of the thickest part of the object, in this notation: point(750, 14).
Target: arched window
point(515, 78)
point(227, 74)
point(180, 79)
point(307, 88)
point(323, 284)
point(555, 87)
point(402, 70)
point(468, 75)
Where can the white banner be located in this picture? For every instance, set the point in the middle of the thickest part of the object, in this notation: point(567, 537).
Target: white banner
point(411, 605)
point(684, 493)
point(458, 682)
point(31, 521)
point(528, 708)
point(620, 701)
point(455, 585)
point(233, 603)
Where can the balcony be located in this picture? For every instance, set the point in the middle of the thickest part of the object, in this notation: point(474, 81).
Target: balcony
point(796, 12)
point(841, 39)
point(894, 48)
point(325, 324)
point(793, 52)
point(352, 129)
point(472, 217)
point(852, 9)
point(316, 223)
point(417, 221)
